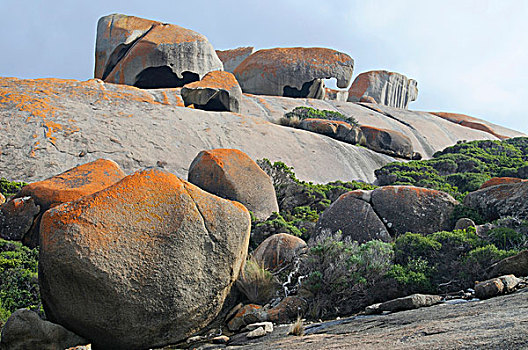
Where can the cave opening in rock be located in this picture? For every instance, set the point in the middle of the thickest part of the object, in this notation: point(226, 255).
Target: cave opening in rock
point(289, 91)
point(163, 77)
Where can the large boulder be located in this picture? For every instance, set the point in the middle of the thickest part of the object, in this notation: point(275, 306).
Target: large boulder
point(355, 218)
point(231, 174)
point(278, 250)
point(144, 263)
point(386, 141)
point(410, 302)
point(336, 129)
point(217, 91)
point(293, 72)
point(386, 88)
point(501, 181)
point(233, 57)
point(149, 54)
point(25, 330)
point(500, 201)
point(20, 217)
point(516, 265)
point(413, 209)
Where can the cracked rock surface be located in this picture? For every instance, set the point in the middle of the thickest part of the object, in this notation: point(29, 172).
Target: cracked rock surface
point(144, 263)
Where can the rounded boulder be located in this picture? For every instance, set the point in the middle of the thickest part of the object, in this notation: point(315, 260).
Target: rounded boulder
point(278, 250)
point(232, 174)
point(144, 263)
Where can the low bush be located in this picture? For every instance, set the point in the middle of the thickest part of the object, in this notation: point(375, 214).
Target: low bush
point(10, 188)
point(300, 113)
point(18, 278)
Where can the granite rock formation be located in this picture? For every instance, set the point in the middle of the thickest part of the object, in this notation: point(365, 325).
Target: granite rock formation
point(217, 91)
point(293, 72)
point(386, 88)
point(233, 57)
point(149, 54)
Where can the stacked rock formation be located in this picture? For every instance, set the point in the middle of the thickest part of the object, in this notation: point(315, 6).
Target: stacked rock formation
point(149, 54)
point(293, 72)
point(217, 91)
point(387, 88)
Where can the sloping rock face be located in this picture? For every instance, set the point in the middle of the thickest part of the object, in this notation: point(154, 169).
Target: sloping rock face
point(386, 88)
point(501, 181)
point(473, 123)
point(232, 58)
point(52, 125)
point(25, 330)
point(500, 201)
point(413, 209)
point(217, 91)
point(144, 263)
point(149, 54)
point(231, 174)
point(355, 218)
point(293, 72)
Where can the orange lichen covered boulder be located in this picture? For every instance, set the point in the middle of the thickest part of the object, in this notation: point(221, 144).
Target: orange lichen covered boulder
point(354, 218)
point(413, 209)
point(386, 88)
point(386, 141)
point(217, 91)
point(278, 250)
point(494, 202)
point(231, 174)
point(501, 181)
point(469, 122)
point(143, 263)
point(233, 57)
point(72, 184)
point(294, 71)
point(150, 54)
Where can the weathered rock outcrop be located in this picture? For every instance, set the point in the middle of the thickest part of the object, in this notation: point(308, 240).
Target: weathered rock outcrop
point(410, 302)
point(499, 201)
point(278, 250)
point(17, 217)
point(149, 54)
point(336, 95)
point(413, 209)
point(25, 330)
point(51, 125)
point(386, 88)
point(217, 91)
point(355, 218)
point(231, 174)
point(144, 263)
point(390, 142)
point(232, 58)
point(336, 129)
point(293, 72)
point(473, 123)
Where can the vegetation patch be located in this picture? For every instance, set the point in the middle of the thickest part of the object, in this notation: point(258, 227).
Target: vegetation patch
point(298, 114)
point(10, 188)
point(18, 279)
point(461, 168)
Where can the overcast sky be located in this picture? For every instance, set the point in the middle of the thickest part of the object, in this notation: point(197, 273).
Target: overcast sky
point(468, 56)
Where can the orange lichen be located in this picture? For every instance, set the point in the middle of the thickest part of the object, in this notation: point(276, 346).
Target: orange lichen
point(74, 183)
point(359, 86)
point(215, 80)
point(501, 181)
point(271, 60)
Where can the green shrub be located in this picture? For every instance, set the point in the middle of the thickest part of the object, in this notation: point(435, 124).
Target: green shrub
point(507, 238)
point(414, 276)
point(340, 273)
point(10, 188)
point(302, 113)
point(18, 278)
point(461, 168)
point(461, 211)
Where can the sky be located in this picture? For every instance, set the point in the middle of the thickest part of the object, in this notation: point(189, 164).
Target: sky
point(468, 56)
